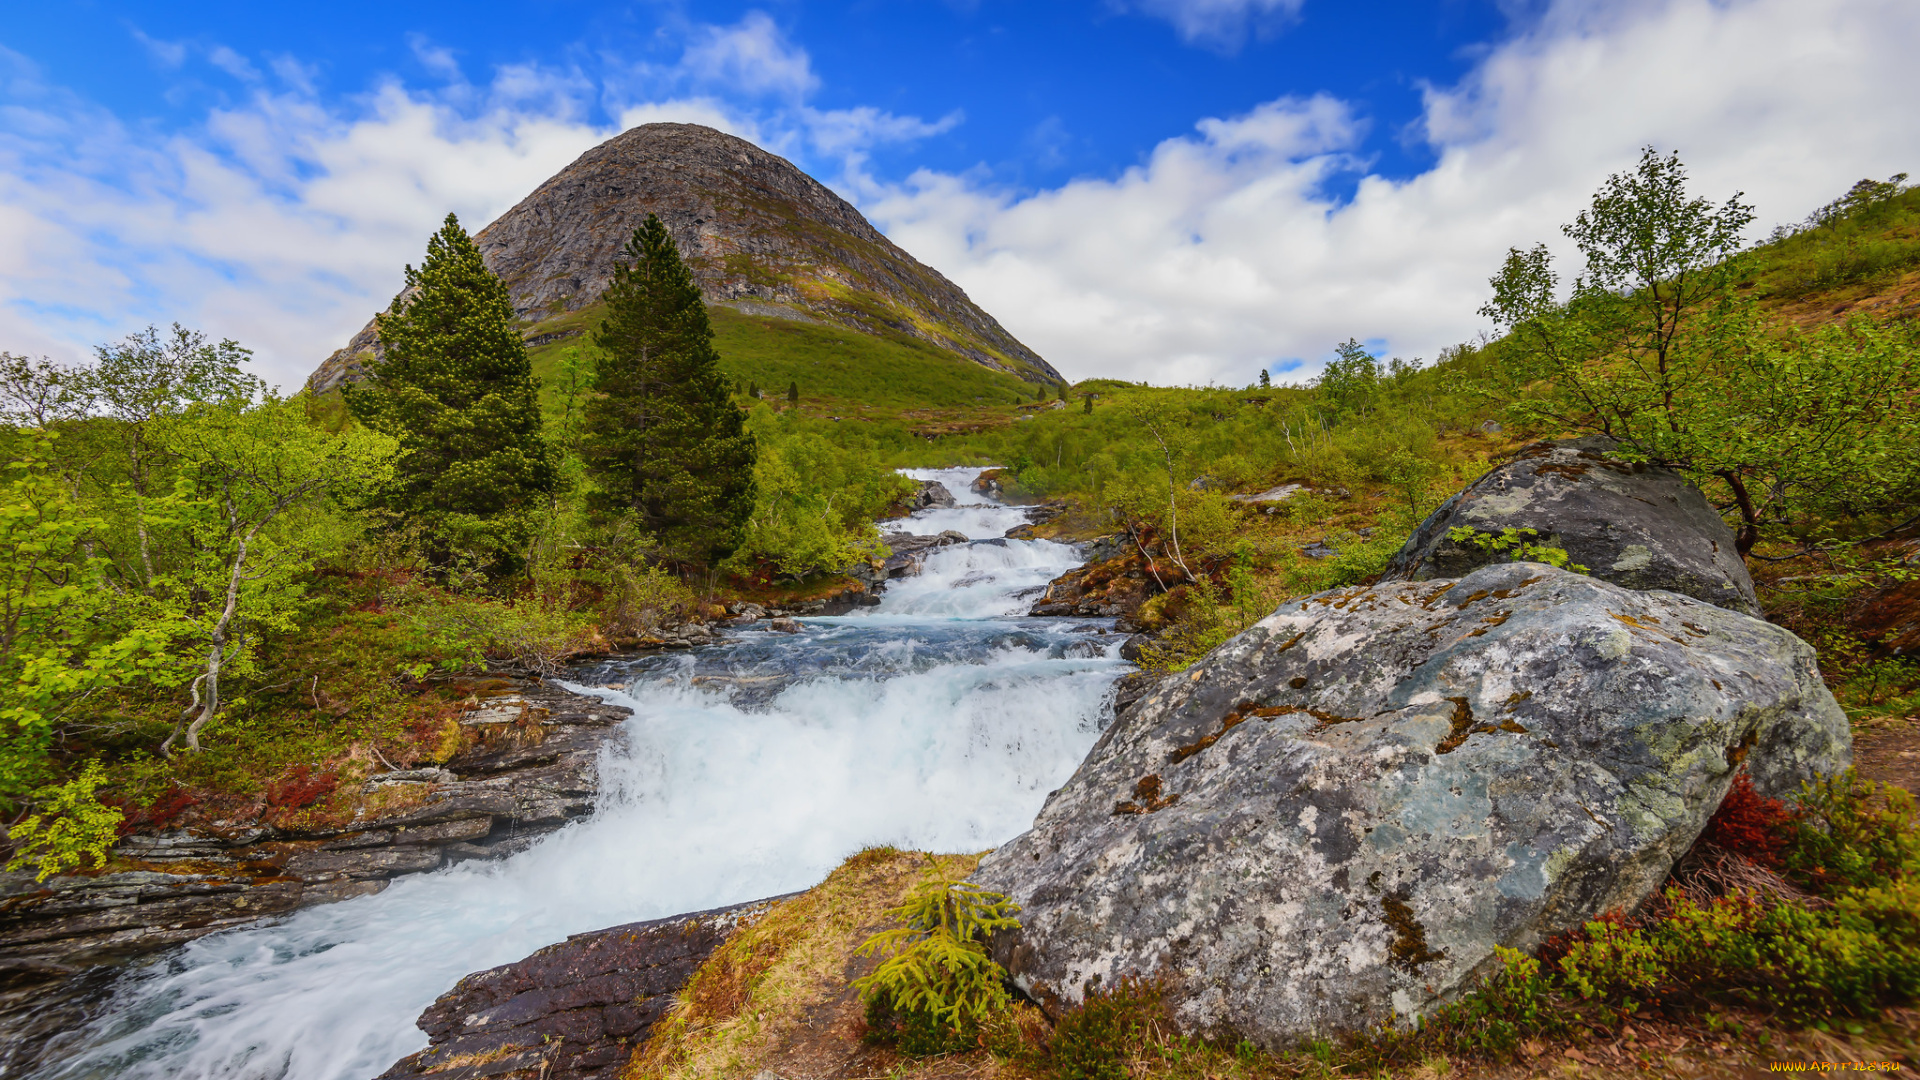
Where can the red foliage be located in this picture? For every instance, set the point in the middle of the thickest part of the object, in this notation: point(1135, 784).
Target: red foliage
point(163, 810)
point(1750, 825)
point(301, 786)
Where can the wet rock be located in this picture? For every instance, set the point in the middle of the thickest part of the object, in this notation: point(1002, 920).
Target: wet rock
point(988, 483)
point(1114, 587)
point(1020, 532)
point(1130, 650)
point(785, 626)
point(1633, 525)
point(1102, 548)
point(908, 551)
point(572, 1011)
point(1330, 821)
point(930, 495)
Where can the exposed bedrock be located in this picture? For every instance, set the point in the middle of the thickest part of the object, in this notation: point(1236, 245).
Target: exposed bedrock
point(572, 1011)
point(1332, 820)
point(532, 767)
point(1631, 524)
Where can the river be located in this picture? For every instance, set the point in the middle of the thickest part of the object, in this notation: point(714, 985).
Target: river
point(938, 720)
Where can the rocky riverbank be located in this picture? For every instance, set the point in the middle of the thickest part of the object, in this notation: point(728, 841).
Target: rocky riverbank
point(530, 766)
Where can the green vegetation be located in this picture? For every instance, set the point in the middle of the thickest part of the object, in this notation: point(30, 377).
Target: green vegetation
point(1658, 349)
point(661, 437)
point(455, 390)
point(937, 985)
point(1865, 238)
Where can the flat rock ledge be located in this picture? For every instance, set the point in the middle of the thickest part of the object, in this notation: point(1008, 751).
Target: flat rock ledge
point(1330, 821)
point(572, 1011)
point(487, 802)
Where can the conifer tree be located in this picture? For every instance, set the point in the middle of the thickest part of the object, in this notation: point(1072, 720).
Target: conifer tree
point(455, 388)
point(793, 393)
point(664, 440)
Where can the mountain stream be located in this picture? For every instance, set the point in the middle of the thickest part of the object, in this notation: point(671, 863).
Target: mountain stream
point(938, 720)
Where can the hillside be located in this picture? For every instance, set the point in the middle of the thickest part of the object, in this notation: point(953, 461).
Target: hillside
point(765, 241)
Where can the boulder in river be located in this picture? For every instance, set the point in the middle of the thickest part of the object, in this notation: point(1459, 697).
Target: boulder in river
point(929, 495)
point(1330, 822)
point(1632, 524)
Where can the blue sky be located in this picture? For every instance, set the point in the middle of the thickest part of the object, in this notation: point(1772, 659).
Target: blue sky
point(1176, 190)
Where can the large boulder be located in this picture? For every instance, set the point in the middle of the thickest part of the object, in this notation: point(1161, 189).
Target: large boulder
point(1628, 523)
point(1331, 821)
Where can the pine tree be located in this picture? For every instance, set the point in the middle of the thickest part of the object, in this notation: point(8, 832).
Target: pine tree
point(1266, 380)
point(454, 387)
point(664, 440)
point(793, 393)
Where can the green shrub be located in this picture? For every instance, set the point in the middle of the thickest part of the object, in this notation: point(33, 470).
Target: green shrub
point(938, 986)
point(69, 828)
point(1095, 1039)
point(1853, 832)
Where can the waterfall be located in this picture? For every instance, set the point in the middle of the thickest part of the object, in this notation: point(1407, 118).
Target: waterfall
point(938, 720)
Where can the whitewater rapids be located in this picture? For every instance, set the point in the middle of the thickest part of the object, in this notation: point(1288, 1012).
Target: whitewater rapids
point(938, 720)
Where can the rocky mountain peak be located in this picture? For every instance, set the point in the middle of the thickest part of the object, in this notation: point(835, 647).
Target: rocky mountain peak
point(758, 233)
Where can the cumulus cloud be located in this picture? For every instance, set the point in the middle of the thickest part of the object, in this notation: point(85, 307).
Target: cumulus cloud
point(1222, 252)
point(284, 221)
point(1223, 25)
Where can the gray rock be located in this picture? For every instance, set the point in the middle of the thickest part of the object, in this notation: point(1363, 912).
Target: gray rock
point(1633, 525)
point(1330, 821)
point(572, 1011)
point(1271, 495)
point(1101, 548)
point(785, 626)
point(930, 494)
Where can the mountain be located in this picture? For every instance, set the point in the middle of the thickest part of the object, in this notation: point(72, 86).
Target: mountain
point(763, 239)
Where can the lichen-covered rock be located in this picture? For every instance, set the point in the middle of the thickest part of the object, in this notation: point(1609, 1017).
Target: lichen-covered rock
point(1332, 820)
point(1631, 524)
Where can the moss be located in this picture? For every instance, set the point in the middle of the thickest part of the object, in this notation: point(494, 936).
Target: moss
point(1409, 950)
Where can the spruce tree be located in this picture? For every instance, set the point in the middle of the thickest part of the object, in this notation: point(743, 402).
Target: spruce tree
point(454, 386)
point(664, 440)
point(793, 393)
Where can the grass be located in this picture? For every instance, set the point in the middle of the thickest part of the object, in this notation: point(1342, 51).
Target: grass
point(889, 372)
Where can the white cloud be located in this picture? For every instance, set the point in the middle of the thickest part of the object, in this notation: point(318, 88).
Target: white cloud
point(1221, 252)
point(752, 56)
point(1218, 24)
point(284, 220)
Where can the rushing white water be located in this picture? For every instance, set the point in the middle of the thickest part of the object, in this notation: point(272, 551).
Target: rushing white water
point(977, 516)
point(938, 720)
